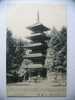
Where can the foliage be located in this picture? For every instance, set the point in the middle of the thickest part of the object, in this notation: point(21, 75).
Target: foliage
point(58, 42)
point(14, 55)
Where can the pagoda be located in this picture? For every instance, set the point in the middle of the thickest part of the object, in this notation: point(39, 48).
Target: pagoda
point(38, 47)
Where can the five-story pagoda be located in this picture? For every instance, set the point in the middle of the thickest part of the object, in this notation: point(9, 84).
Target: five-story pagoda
point(38, 47)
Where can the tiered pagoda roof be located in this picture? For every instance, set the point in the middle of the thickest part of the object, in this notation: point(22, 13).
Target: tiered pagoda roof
point(38, 27)
point(38, 37)
point(38, 44)
point(34, 46)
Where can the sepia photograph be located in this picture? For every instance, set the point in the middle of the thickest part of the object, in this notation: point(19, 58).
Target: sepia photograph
point(36, 50)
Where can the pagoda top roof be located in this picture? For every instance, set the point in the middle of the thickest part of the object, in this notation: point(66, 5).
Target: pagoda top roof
point(38, 27)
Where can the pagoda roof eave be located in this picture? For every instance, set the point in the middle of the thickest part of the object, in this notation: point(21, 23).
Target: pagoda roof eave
point(34, 55)
point(33, 45)
point(37, 34)
point(38, 26)
point(35, 66)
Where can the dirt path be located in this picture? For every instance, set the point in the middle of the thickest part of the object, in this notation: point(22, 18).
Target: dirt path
point(48, 87)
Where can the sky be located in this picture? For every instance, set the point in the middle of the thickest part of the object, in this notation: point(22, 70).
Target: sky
point(20, 16)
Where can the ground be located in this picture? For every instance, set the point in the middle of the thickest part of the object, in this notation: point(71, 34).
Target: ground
point(46, 87)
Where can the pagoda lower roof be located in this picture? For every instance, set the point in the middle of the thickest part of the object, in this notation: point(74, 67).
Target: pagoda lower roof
point(34, 55)
point(35, 46)
point(38, 27)
point(36, 60)
point(38, 37)
point(35, 66)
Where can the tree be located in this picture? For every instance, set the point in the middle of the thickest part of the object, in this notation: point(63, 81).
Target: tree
point(14, 56)
point(10, 50)
point(58, 42)
point(10, 54)
point(19, 52)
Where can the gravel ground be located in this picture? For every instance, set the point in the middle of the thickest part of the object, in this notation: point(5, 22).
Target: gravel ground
point(47, 87)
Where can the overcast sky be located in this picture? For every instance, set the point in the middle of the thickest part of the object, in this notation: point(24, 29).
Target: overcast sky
point(22, 15)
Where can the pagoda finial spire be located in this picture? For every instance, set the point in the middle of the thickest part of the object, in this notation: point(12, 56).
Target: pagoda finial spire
point(38, 20)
